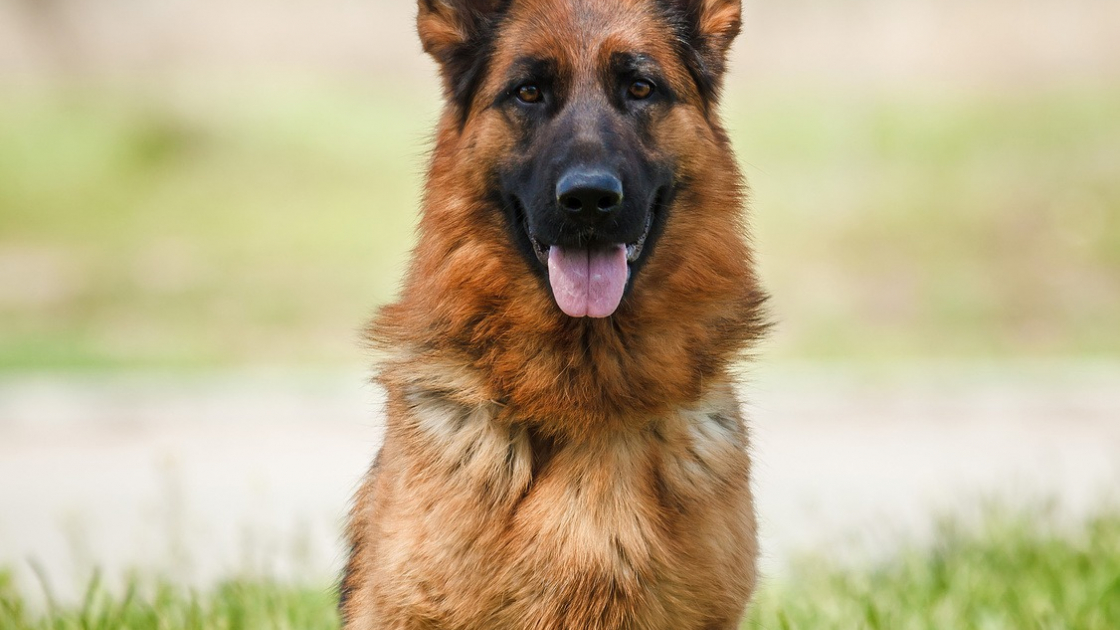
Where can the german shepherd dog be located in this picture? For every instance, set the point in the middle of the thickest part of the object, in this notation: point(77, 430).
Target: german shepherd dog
point(564, 447)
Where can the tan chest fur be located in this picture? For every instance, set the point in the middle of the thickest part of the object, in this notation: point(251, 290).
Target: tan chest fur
point(478, 523)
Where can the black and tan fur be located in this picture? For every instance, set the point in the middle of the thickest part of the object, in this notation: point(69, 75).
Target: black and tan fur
point(542, 471)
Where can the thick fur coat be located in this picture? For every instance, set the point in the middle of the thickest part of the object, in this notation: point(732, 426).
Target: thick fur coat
point(542, 471)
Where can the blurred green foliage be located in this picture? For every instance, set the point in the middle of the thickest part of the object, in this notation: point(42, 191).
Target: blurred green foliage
point(262, 225)
point(254, 227)
point(948, 226)
point(1014, 570)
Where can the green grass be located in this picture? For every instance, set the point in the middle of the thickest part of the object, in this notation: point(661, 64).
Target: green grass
point(212, 226)
point(1015, 571)
point(233, 606)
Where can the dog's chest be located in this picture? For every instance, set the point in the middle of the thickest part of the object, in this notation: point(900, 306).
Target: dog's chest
point(607, 531)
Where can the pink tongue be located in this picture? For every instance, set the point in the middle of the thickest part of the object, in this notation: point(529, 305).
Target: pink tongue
point(587, 283)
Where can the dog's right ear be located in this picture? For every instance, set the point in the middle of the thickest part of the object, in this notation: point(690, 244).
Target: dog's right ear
point(707, 28)
point(458, 34)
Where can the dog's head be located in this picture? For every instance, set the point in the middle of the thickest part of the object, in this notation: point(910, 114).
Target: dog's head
point(581, 251)
point(585, 119)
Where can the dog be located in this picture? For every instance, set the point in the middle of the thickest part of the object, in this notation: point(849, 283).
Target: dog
point(564, 445)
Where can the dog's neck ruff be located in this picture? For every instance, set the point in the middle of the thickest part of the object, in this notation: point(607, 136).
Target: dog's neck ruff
point(477, 439)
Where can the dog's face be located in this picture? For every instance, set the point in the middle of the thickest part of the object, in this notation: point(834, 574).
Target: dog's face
point(585, 119)
point(579, 172)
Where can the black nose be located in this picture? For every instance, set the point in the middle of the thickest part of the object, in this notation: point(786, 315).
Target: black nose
point(590, 195)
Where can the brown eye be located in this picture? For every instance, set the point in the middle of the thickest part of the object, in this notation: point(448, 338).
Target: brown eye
point(640, 89)
point(529, 93)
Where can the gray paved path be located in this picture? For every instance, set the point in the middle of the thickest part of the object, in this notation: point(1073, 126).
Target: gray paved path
point(203, 478)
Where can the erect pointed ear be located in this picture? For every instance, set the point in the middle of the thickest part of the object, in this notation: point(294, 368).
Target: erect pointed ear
point(707, 28)
point(458, 34)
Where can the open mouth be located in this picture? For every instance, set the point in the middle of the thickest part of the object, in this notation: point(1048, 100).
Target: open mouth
point(590, 280)
point(633, 250)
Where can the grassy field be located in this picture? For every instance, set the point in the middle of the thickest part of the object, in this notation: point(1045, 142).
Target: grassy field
point(207, 227)
point(1013, 572)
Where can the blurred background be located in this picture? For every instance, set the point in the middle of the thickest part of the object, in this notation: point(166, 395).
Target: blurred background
point(202, 202)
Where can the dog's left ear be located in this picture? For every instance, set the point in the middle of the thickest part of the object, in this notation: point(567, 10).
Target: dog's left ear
point(457, 34)
point(708, 27)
